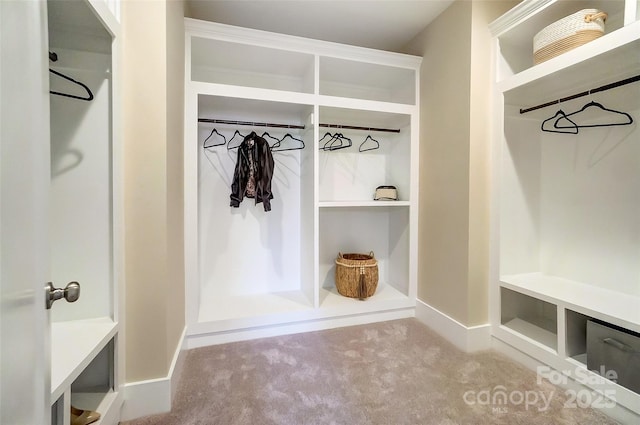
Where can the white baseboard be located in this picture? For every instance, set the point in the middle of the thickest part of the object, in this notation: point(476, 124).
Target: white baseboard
point(154, 396)
point(468, 339)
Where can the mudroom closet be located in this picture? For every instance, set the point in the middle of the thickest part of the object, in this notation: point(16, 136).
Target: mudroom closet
point(339, 122)
point(567, 211)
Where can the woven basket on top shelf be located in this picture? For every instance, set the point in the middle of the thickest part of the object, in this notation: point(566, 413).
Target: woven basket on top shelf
point(567, 34)
point(356, 275)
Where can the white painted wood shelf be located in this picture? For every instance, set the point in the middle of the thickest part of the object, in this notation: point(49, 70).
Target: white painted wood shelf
point(616, 307)
point(365, 204)
point(74, 344)
point(536, 333)
point(102, 400)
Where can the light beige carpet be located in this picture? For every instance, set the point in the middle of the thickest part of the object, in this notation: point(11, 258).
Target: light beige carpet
point(397, 372)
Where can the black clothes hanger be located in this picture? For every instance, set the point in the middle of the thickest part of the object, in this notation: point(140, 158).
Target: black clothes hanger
point(299, 144)
point(327, 134)
point(89, 96)
point(237, 133)
point(214, 131)
point(559, 115)
point(53, 57)
point(276, 140)
point(338, 137)
point(377, 144)
point(332, 144)
point(593, 104)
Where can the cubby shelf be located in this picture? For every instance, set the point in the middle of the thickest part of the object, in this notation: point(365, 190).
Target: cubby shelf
point(536, 333)
point(373, 204)
point(100, 401)
point(617, 307)
point(74, 344)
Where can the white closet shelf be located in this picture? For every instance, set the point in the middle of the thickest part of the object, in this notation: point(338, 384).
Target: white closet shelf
point(234, 307)
point(74, 344)
point(259, 310)
point(364, 104)
point(534, 332)
point(349, 204)
point(386, 297)
point(580, 359)
point(243, 92)
point(604, 60)
point(97, 401)
point(613, 306)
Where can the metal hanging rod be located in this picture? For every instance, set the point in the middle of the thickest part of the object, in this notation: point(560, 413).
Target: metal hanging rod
point(584, 93)
point(252, 124)
point(293, 126)
point(353, 127)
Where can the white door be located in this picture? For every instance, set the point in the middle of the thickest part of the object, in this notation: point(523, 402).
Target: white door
point(24, 180)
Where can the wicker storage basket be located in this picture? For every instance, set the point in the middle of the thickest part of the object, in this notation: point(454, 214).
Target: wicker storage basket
point(567, 34)
point(356, 275)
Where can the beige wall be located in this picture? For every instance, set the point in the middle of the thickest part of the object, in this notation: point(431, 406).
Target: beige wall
point(152, 72)
point(454, 159)
point(454, 170)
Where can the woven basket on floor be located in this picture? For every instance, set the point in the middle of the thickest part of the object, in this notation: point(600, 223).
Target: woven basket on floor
point(567, 34)
point(356, 275)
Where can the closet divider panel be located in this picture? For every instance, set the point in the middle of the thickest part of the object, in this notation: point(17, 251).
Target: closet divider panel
point(308, 212)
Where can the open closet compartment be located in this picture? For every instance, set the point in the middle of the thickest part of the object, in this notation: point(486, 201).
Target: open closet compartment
point(566, 227)
point(246, 65)
point(94, 389)
point(250, 259)
point(384, 231)
point(84, 204)
point(251, 273)
point(360, 150)
point(531, 317)
point(515, 41)
point(364, 80)
point(369, 149)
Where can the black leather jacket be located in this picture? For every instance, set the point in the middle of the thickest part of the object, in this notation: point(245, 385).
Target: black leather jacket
point(254, 151)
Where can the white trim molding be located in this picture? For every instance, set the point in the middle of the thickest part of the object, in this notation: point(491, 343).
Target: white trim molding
point(467, 339)
point(154, 396)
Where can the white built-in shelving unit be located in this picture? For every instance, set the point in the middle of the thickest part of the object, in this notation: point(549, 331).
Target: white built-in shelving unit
point(253, 273)
point(85, 218)
point(566, 220)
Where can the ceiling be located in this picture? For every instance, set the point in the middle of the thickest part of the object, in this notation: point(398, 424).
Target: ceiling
point(379, 24)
